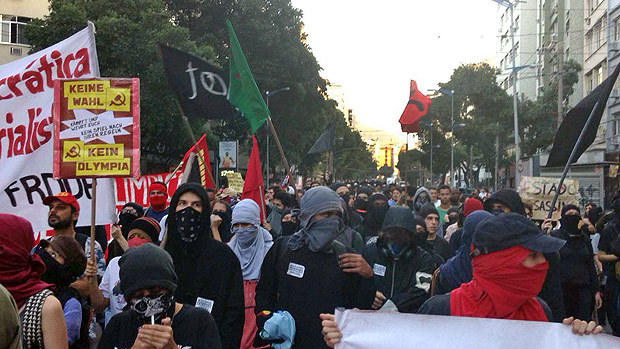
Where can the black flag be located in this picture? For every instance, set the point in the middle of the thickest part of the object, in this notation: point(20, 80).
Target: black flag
point(325, 142)
point(201, 88)
point(575, 121)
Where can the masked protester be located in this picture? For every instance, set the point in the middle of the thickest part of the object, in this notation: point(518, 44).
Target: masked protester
point(504, 201)
point(438, 244)
point(402, 270)
point(608, 254)
point(209, 272)
point(421, 197)
point(41, 317)
point(64, 263)
point(107, 295)
point(348, 236)
point(352, 218)
point(508, 272)
point(154, 318)
point(377, 208)
point(577, 272)
point(250, 243)
point(220, 221)
point(289, 222)
point(301, 273)
point(158, 196)
point(361, 200)
point(281, 201)
point(128, 214)
point(457, 270)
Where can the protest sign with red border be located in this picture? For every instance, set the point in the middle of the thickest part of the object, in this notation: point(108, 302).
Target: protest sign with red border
point(96, 128)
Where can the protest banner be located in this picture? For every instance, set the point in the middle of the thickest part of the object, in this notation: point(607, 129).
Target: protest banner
point(26, 147)
point(235, 181)
point(539, 191)
point(228, 154)
point(385, 329)
point(96, 128)
point(136, 189)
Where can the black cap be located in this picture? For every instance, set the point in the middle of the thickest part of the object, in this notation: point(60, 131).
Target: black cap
point(507, 230)
point(508, 198)
point(428, 209)
point(399, 217)
point(146, 266)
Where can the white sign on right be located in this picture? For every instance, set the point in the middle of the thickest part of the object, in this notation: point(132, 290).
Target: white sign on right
point(539, 191)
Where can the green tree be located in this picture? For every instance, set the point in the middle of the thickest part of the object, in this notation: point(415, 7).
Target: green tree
point(127, 32)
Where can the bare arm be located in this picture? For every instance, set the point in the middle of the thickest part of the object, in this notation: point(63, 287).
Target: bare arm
point(98, 301)
point(53, 325)
point(604, 257)
point(215, 227)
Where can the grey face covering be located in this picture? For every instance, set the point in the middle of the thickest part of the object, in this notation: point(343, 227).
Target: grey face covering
point(321, 233)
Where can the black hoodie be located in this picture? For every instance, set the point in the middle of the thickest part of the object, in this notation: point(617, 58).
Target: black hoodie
point(374, 218)
point(508, 198)
point(207, 269)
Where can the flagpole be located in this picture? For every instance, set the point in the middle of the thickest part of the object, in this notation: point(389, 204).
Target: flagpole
point(277, 140)
point(570, 159)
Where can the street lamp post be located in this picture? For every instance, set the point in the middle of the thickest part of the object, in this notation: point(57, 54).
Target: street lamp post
point(515, 101)
point(267, 95)
point(430, 126)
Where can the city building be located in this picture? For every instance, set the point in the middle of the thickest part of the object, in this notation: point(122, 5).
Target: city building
point(384, 146)
point(336, 92)
point(524, 45)
point(14, 16)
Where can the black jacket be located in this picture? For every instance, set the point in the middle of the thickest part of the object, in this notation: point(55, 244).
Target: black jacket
point(192, 328)
point(319, 288)
point(441, 247)
point(405, 281)
point(576, 260)
point(551, 291)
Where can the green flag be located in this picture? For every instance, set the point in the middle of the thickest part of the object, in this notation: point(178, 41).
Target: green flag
point(242, 90)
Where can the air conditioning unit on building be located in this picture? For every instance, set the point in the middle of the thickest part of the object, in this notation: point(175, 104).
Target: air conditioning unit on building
point(587, 21)
point(16, 51)
point(554, 38)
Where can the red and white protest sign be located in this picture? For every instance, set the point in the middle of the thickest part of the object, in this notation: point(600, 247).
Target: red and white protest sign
point(96, 128)
point(136, 189)
point(26, 149)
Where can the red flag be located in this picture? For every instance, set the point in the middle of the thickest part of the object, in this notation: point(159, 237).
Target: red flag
point(416, 108)
point(202, 163)
point(253, 184)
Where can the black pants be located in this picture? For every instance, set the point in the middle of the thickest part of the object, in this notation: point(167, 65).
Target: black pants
point(612, 303)
point(579, 301)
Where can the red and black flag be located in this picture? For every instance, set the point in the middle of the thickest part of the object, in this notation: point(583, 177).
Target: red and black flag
point(416, 108)
point(575, 121)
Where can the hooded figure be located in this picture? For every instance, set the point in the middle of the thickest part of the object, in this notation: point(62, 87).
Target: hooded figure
point(225, 226)
point(577, 273)
point(250, 243)
point(508, 198)
point(209, 272)
point(348, 236)
point(457, 270)
point(377, 208)
point(361, 205)
point(301, 273)
point(421, 197)
point(402, 270)
point(508, 271)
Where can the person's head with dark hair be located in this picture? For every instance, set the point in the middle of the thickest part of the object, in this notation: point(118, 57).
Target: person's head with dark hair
point(211, 195)
point(314, 184)
point(129, 213)
point(270, 192)
point(429, 213)
point(340, 188)
point(594, 215)
point(158, 195)
point(396, 193)
point(453, 214)
point(588, 207)
point(289, 222)
point(445, 193)
point(143, 230)
point(64, 260)
point(222, 209)
point(281, 200)
point(505, 201)
point(434, 194)
point(64, 211)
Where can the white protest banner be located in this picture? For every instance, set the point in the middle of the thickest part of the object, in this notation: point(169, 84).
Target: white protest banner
point(382, 329)
point(26, 149)
point(539, 191)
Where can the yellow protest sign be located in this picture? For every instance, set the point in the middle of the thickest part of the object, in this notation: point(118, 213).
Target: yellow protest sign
point(539, 192)
point(235, 181)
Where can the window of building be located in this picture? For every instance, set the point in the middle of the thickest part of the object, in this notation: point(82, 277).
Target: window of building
point(599, 75)
point(596, 36)
point(567, 27)
point(590, 6)
point(616, 29)
point(589, 49)
point(588, 79)
point(12, 29)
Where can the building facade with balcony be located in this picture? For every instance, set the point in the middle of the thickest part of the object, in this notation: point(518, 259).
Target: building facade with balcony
point(14, 16)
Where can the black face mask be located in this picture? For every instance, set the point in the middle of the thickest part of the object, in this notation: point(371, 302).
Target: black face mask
point(55, 273)
point(497, 211)
point(188, 224)
point(571, 223)
point(289, 228)
point(420, 201)
point(345, 197)
point(152, 309)
point(361, 204)
point(376, 215)
point(453, 219)
point(125, 220)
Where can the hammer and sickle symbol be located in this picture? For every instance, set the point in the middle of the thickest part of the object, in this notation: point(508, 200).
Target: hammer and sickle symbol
point(119, 99)
point(74, 152)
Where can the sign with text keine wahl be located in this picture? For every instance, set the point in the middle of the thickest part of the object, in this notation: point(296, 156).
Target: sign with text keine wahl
point(96, 128)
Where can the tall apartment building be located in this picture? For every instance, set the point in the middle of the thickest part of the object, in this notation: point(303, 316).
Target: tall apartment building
point(336, 92)
point(14, 15)
point(525, 48)
point(612, 125)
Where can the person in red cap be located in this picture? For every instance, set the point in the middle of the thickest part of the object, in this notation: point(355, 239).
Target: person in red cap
point(158, 197)
point(63, 214)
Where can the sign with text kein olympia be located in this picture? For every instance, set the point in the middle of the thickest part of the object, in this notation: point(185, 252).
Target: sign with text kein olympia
point(96, 128)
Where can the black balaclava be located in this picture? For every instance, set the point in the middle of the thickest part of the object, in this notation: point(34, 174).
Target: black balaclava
point(570, 223)
point(289, 228)
point(360, 204)
point(374, 218)
point(125, 219)
point(225, 226)
point(508, 198)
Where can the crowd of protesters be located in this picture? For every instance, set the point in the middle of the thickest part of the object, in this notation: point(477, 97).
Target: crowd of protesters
point(209, 270)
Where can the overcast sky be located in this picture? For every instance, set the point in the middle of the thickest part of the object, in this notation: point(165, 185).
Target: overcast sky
point(373, 48)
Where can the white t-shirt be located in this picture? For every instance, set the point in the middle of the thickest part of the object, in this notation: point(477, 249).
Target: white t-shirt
point(110, 281)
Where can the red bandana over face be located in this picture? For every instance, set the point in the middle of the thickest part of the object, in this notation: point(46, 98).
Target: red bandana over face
point(501, 288)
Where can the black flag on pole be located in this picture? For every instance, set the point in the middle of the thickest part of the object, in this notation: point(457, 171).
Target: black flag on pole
point(202, 89)
point(325, 142)
point(575, 120)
